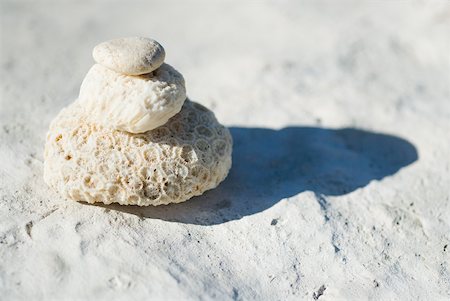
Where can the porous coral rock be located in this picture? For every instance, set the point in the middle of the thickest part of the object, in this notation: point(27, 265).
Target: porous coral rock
point(88, 162)
point(135, 104)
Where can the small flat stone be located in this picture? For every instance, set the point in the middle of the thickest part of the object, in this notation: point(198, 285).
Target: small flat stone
point(130, 56)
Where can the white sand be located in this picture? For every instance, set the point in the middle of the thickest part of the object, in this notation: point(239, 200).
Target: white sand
point(311, 211)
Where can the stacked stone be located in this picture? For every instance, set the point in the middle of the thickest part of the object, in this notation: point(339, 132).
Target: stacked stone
point(133, 137)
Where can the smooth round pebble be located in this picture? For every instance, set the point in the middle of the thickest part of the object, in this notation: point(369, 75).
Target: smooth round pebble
point(130, 56)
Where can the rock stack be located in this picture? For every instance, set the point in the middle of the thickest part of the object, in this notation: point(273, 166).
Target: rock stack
point(132, 137)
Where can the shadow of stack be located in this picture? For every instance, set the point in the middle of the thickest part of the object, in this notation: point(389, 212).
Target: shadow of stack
point(269, 165)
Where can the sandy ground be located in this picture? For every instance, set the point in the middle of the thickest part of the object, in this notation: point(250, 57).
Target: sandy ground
point(340, 184)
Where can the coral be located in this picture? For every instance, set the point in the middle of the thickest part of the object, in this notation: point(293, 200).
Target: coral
point(134, 104)
point(85, 161)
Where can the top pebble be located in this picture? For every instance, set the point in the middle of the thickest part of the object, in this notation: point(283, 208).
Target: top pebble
point(130, 56)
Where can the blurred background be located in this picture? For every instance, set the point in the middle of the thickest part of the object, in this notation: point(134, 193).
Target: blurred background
point(308, 62)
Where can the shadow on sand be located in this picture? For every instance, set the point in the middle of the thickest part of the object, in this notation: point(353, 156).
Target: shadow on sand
point(269, 165)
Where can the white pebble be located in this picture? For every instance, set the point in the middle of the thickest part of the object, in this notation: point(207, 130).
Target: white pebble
point(130, 56)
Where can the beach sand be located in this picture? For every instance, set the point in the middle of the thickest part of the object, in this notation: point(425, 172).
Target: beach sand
point(339, 189)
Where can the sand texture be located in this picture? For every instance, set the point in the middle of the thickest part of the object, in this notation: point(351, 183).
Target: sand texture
point(339, 190)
